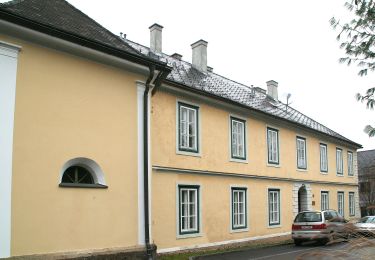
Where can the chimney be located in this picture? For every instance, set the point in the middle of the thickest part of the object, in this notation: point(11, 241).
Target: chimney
point(272, 89)
point(176, 56)
point(200, 55)
point(155, 37)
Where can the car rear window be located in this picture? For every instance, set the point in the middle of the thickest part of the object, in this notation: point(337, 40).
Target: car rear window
point(308, 217)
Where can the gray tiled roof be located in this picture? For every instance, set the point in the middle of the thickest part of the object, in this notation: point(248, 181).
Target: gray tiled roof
point(217, 85)
point(365, 159)
point(60, 16)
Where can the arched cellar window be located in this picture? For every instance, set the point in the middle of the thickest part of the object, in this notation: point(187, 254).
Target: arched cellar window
point(82, 173)
point(77, 174)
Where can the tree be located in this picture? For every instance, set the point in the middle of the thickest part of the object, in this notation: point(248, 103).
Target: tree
point(357, 38)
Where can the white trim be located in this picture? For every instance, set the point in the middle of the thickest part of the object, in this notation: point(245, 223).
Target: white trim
point(226, 242)
point(199, 145)
point(141, 205)
point(177, 197)
point(9, 57)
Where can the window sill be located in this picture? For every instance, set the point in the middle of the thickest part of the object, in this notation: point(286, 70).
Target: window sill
point(273, 165)
point(195, 154)
point(239, 230)
point(351, 176)
point(339, 175)
point(90, 186)
point(324, 173)
point(302, 170)
point(192, 235)
point(274, 226)
point(238, 160)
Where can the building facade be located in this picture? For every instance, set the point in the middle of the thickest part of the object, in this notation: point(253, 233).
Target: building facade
point(107, 145)
point(71, 142)
point(366, 181)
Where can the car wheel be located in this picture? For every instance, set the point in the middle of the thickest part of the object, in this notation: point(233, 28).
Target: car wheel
point(297, 242)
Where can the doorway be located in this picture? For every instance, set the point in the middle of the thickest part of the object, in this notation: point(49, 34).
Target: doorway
point(302, 199)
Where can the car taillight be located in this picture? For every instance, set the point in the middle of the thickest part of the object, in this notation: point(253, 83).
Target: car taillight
point(321, 226)
point(296, 227)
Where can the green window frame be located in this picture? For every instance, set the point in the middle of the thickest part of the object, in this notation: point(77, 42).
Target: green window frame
point(188, 128)
point(301, 153)
point(239, 208)
point(188, 209)
point(341, 203)
point(351, 204)
point(273, 146)
point(274, 207)
point(339, 162)
point(323, 157)
point(350, 164)
point(324, 200)
point(238, 138)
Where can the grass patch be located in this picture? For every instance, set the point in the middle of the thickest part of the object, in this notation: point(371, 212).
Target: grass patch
point(222, 249)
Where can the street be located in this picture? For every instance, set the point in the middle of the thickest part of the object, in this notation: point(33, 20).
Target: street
point(344, 250)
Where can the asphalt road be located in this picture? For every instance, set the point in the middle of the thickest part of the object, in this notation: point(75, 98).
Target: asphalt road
point(342, 250)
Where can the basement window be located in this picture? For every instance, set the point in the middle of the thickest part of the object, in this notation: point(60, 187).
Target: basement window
point(82, 173)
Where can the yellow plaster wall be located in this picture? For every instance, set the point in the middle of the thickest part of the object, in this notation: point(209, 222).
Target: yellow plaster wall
point(68, 107)
point(214, 144)
point(215, 207)
point(214, 156)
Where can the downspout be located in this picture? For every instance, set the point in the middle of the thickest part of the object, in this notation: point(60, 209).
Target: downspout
point(145, 162)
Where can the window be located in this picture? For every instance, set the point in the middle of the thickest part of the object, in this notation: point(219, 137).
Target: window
point(339, 161)
point(239, 208)
point(188, 209)
point(273, 145)
point(301, 153)
point(82, 173)
point(324, 200)
point(274, 207)
point(187, 128)
point(323, 158)
point(351, 204)
point(77, 175)
point(340, 203)
point(350, 164)
point(238, 138)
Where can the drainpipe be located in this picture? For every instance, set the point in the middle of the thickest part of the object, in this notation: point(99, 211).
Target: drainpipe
point(157, 82)
point(145, 161)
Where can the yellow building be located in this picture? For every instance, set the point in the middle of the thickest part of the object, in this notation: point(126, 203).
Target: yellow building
point(108, 146)
point(71, 133)
point(231, 163)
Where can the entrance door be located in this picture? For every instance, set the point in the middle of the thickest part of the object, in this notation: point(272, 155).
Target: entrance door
point(302, 199)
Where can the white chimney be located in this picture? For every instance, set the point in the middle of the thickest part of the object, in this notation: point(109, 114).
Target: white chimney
point(272, 89)
point(200, 55)
point(155, 37)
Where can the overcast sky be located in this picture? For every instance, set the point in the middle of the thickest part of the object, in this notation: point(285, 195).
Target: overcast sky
point(254, 41)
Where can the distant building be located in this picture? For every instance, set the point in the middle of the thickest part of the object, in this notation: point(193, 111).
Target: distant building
point(366, 180)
